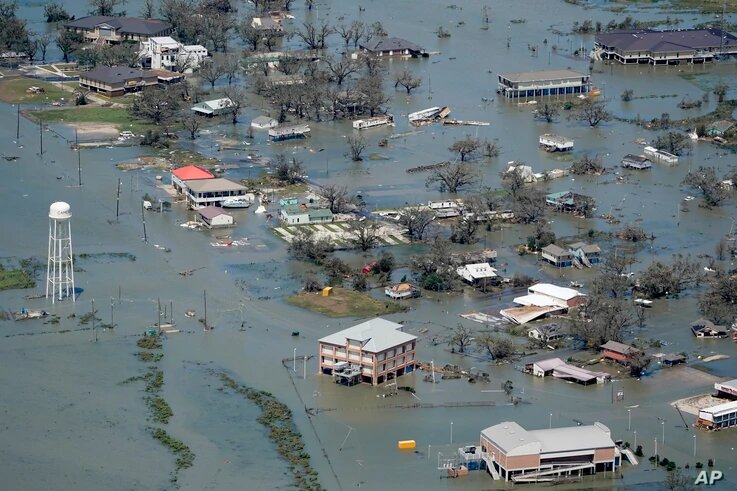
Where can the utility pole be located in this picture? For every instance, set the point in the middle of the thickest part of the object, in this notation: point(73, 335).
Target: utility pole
point(117, 202)
point(79, 167)
point(41, 135)
point(94, 327)
point(143, 218)
point(17, 125)
point(158, 322)
point(112, 319)
point(205, 297)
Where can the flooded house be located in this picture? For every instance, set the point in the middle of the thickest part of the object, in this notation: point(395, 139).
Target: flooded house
point(570, 202)
point(214, 107)
point(371, 352)
point(720, 128)
point(555, 143)
point(557, 256)
point(477, 274)
point(181, 175)
point(637, 162)
point(704, 328)
point(167, 53)
point(546, 333)
point(385, 120)
point(543, 299)
point(671, 47)
point(392, 46)
point(557, 368)
point(619, 352)
point(515, 454)
point(545, 83)
point(281, 133)
point(660, 156)
point(727, 389)
point(401, 291)
point(215, 217)
point(718, 417)
point(211, 192)
point(264, 123)
point(114, 81)
point(587, 254)
point(106, 29)
point(302, 215)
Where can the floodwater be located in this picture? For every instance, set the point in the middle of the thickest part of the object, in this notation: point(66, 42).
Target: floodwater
point(69, 423)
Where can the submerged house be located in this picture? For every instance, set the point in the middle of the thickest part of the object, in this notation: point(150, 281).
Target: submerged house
point(557, 256)
point(704, 328)
point(214, 107)
point(392, 46)
point(557, 368)
point(401, 291)
point(546, 333)
point(619, 352)
point(570, 202)
point(543, 299)
point(587, 254)
point(637, 162)
point(302, 215)
point(214, 217)
point(543, 83)
point(478, 273)
point(719, 128)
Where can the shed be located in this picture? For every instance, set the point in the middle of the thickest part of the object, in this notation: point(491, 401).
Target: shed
point(215, 217)
point(264, 123)
point(215, 107)
point(623, 353)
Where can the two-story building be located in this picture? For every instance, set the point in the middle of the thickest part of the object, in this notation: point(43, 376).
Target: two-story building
point(211, 192)
point(302, 215)
point(115, 81)
point(543, 84)
point(373, 352)
point(167, 53)
point(104, 29)
point(514, 453)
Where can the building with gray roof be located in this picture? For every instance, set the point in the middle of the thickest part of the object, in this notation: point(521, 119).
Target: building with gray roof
point(564, 82)
point(647, 46)
point(514, 453)
point(392, 46)
point(104, 29)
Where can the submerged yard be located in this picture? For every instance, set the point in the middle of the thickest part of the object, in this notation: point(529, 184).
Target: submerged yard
point(345, 303)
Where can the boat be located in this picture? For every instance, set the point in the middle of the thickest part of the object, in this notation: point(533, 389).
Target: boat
point(25, 314)
point(428, 116)
point(236, 203)
point(643, 302)
point(576, 284)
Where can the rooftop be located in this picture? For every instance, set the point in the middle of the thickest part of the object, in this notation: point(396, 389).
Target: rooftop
point(376, 335)
point(555, 291)
point(664, 41)
point(126, 25)
point(214, 185)
point(719, 409)
point(191, 172)
point(116, 74)
point(211, 212)
point(554, 250)
point(542, 75)
point(618, 347)
point(515, 440)
point(586, 248)
point(391, 44)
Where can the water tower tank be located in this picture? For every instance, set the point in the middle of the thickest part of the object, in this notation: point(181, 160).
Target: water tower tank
point(60, 211)
point(60, 266)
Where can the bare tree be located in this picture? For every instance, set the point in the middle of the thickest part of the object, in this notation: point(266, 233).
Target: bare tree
point(345, 32)
point(460, 337)
point(231, 67)
point(406, 80)
point(592, 112)
point(673, 142)
point(490, 149)
point(43, 42)
point(364, 234)
point(587, 166)
point(191, 123)
point(416, 219)
point(720, 90)
point(548, 112)
point(372, 90)
point(342, 68)
point(453, 177)
point(211, 71)
point(627, 95)
point(289, 171)
point(373, 64)
point(358, 29)
point(315, 37)
point(465, 147)
point(336, 196)
point(356, 146)
point(250, 35)
point(105, 7)
point(237, 96)
point(148, 9)
point(721, 249)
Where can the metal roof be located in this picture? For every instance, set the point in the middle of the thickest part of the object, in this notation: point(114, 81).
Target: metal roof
point(663, 41)
point(618, 347)
point(211, 212)
point(573, 438)
point(214, 185)
point(476, 271)
point(116, 74)
point(542, 75)
point(554, 250)
point(555, 291)
point(191, 172)
point(512, 439)
point(720, 409)
point(376, 335)
point(586, 248)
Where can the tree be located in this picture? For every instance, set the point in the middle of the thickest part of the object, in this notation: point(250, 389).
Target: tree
point(80, 96)
point(311, 284)
point(463, 231)
point(356, 146)
point(307, 247)
point(237, 96)
point(460, 337)
point(627, 95)
point(465, 147)
point(528, 205)
point(542, 237)
point(148, 9)
point(721, 249)
point(668, 279)
point(231, 67)
point(548, 112)
point(289, 171)
point(638, 362)
point(55, 12)
point(211, 71)
point(719, 303)
point(709, 183)
point(587, 166)
point(156, 105)
point(497, 347)
point(673, 142)
point(43, 42)
point(345, 32)
point(416, 219)
point(720, 90)
point(68, 42)
point(336, 196)
point(407, 80)
point(435, 270)
point(360, 282)
point(453, 177)
point(105, 7)
point(675, 480)
point(507, 387)
point(250, 35)
point(371, 89)
point(314, 37)
point(514, 180)
point(364, 234)
point(342, 68)
point(592, 112)
point(191, 123)
point(490, 149)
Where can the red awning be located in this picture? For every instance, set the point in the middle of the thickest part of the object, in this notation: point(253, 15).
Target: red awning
point(191, 172)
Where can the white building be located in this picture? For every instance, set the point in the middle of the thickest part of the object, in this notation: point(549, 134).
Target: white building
point(475, 273)
point(168, 54)
point(543, 299)
point(214, 217)
point(264, 123)
point(215, 107)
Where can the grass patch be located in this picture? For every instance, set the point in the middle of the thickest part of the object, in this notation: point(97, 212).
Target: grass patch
point(149, 342)
point(155, 382)
point(276, 416)
point(345, 303)
point(11, 279)
point(149, 357)
point(185, 457)
point(160, 409)
point(114, 116)
point(15, 90)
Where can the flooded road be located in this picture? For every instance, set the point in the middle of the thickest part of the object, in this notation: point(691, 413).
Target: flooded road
point(70, 423)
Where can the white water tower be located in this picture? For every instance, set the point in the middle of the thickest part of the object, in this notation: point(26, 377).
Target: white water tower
point(60, 267)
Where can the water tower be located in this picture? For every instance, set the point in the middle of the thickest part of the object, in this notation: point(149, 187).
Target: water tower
point(60, 268)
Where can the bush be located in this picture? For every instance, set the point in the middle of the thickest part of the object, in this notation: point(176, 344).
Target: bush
point(699, 465)
point(638, 451)
point(710, 463)
point(360, 282)
point(312, 284)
